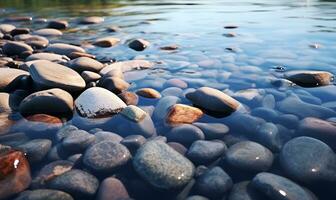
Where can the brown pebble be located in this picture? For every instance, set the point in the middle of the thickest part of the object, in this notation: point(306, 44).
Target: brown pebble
point(148, 93)
point(130, 98)
point(183, 114)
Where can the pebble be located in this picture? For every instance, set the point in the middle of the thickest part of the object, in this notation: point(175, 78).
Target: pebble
point(213, 100)
point(84, 63)
point(35, 41)
point(278, 187)
point(64, 49)
point(89, 76)
point(106, 42)
point(6, 28)
point(172, 47)
point(48, 32)
point(77, 141)
point(107, 136)
point(138, 44)
point(212, 130)
point(130, 98)
point(310, 78)
point(203, 152)
point(112, 189)
point(183, 114)
point(178, 147)
point(64, 132)
point(106, 157)
point(308, 160)
point(13, 48)
point(98, 102)
point(249, 156)
point(214, 183)
point(43, 194)
point(58, 24)
point(53, 102)
point(162, 166)
point(10, 78)
point(113, 73)
point(243, 191)
point(19, 31)
point(318, 129)
point(76, 182)
point(185, 134)
point(133, 113)
point(15, 173)
point(18, 19)
point(36, 150)
point(114, 84)
point(133, 142)
point(148, 93)
point(92, 20)
point(46, 74)
point(48, 56)
point(197, 197)
point(174, 82)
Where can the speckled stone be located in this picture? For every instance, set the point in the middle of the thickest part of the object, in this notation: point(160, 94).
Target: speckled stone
point(106, 157)
point(162, 166)
point(214, 183)
point(77, 141)
point(36, 149)
point(43, 194)
point(308, 160)
point(76, 182)
point(278, 187)
point(204, 152)
point(133, 142)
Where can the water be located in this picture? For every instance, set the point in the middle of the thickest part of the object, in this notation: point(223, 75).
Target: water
point(272, 37)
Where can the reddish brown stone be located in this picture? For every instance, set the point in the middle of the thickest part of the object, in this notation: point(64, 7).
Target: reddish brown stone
point(183, 114)
point(14, 173)
point(44, 118)
point(148, 93)
point(130, 98)
point(112, 189)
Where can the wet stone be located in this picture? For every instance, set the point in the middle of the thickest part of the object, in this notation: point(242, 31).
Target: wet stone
point(197, 197)
point(107, 136)
point(92, 20)
point(89, 76)
point(77, 141)
point(214, 183)
point(48, 32)
point(278, 187)
point(114, 29)
point(133, 142)
point(178, 147)
point(85, 64)
point(162, 166)
point(130, 98)
point(6, 28)
point(105, 103)
point(133, 113)
point(183, 114)
point(212, 130)
point(54, 102)
point(48, 56)
point(64, 49)
point(129, 65)
point(12, 48)
point(65, 131)
point(106, 42)
point(174, 82)
point(43, 194)
point(310, 78)
point(112, 189)
point(243, 191)
point(106, 157)
point(19, 31)
point(114, 84)
point(148, 93)
point(249, 156)
point(138, 44)
point(36, 150)
point(77, 183)
point(58, 24)
point(10, 78)
point(46, 74)
point(35, 41)
point(185, 134)
point(308, 160)
point(203, 152)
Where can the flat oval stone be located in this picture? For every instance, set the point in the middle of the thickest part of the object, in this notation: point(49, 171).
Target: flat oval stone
point(14, 173)
point(112, 189)
point(76, 182)
point(43, 194)
point(148, 93)
point(10, 78)
point(84, 63)
point(36, 149)
point(106, 42)
point(6, 28)
point(183, 114)
point(213, 130)
point(58, 24)
point(249, 156)
point(52, 75)
point(243, 191)
point(203, 152)
point(138, 44)
point(162, 166)
point(185, 134)
point(77, 141)
point(174, 82)
point(89, 76)
point(114, 84)
point(12, 48)
point(308, 160)
point(34, 41)
point(133, 113)
point(92, 20)
point(214, 183)
point(278, 187)
point(48, 56)
point(48, 32)
point(53, 102)
point(19, 31)
point(98, 102)
point(130, 98)
point(106, 157)
point(129, 65)
point(213, 100)
point(107, 136)
point(310, 78)
point(64, 49)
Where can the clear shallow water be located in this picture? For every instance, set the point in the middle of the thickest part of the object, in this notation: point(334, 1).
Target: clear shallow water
point(269, 34)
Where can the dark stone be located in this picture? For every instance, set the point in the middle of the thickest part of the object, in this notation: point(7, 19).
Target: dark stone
point(36, 149)
point(112, 189)
point(44, 194)
point(138, 44)
point(204, 152)
point(185, 134)
point(12, 48)
point(58, 24)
